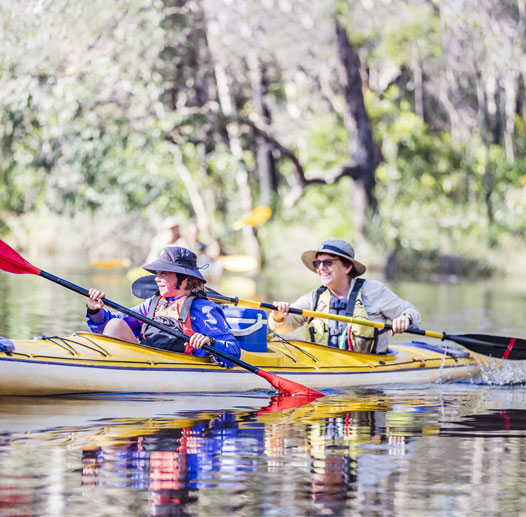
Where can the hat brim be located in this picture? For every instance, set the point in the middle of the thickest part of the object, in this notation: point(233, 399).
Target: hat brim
point(161, 265)
point(309, 256)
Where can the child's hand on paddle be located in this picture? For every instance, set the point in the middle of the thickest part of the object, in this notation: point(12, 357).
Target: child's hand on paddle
point(95, 299)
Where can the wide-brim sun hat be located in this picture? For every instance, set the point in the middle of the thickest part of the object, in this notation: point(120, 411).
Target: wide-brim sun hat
point(175, 259)
point(334, 246)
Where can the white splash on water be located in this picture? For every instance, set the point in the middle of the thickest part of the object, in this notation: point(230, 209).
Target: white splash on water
point(500, 372)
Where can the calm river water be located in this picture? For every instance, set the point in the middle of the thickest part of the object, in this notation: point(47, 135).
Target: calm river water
point(440, 449)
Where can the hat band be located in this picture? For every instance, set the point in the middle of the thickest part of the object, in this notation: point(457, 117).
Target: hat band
point(334, 248)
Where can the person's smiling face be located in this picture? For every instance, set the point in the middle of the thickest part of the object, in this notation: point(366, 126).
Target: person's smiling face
point(166, 282)
point(333, 276)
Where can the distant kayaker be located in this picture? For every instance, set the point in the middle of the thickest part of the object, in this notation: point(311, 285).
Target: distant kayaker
point(180, 303)
point(342, 292)
point(169, 235)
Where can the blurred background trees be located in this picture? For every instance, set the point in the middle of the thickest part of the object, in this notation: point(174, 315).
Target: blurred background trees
point(397, 124)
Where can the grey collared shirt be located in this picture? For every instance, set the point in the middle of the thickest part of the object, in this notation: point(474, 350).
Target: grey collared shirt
point(379, 301)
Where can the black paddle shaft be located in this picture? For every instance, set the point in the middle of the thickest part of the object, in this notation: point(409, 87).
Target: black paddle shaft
point(145, 319)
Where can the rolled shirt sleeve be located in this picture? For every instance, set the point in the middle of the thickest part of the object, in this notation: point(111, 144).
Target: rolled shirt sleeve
point(383, 305)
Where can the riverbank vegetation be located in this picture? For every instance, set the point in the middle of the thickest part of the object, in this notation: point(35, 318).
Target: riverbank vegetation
point(399, 125)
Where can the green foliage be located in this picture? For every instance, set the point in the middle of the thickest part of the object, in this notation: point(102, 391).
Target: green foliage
point(327, 143)
point(99, 101)
point(84, 135)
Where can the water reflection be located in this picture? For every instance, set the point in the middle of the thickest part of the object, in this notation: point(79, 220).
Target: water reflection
point(506, 423)
point(432, 450)
point(181, 461)
point(249, 455)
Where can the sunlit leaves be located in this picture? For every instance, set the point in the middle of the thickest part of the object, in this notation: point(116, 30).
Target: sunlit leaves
point(327, 143)
point(91, 94)
point(96, 96)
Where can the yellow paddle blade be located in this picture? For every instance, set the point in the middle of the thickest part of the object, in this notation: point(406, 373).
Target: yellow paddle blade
point(238, 263)
point(243, 285)
point(111, 264)
point(135, 273)
point(259, 215)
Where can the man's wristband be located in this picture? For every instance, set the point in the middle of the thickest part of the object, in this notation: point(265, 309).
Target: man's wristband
point(91, 312)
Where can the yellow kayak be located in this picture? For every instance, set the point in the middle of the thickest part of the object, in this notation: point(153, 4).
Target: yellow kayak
point(92, 363)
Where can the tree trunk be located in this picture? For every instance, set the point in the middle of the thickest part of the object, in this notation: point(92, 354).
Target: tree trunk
point(201, 214)
point(419, 89)
point(485, 110)
point(232, 129)
point(510, 85)
point(264, 160)
point(362, 150)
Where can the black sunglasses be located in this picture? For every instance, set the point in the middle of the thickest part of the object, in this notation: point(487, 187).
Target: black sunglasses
point(324, 263)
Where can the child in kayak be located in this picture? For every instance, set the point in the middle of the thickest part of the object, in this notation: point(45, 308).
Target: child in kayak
point(342, 292)
point(180, 303)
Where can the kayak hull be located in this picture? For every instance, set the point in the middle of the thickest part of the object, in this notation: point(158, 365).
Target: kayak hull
point(89, 363)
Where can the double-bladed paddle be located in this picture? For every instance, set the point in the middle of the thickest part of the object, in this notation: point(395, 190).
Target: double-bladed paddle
point(493, 346)
point(12, 262)
point(500, 347)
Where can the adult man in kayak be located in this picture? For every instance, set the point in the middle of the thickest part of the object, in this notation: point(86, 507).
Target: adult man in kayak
point(343, 293)
point(179, 303)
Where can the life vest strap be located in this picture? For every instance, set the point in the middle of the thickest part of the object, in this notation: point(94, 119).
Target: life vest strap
point(358, 283)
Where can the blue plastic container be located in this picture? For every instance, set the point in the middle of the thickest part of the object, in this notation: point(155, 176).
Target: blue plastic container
point(249, 326)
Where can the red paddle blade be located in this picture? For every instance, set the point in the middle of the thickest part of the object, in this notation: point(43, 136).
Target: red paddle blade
point(286, 387)
point(12, 262)
point(283, 403)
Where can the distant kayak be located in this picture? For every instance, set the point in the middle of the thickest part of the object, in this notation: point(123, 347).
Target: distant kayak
point(234, 263)
point(111, 263)
point(238, 263)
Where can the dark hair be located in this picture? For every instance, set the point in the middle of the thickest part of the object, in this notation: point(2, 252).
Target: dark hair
point(193, 284)
point(345, 262)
